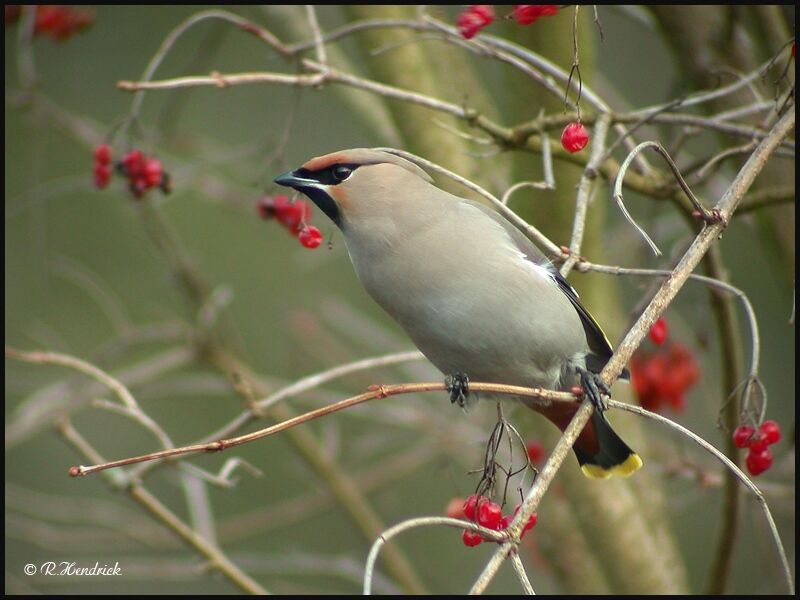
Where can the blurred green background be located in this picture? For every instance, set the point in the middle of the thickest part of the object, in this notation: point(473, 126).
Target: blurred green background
point(83, 276)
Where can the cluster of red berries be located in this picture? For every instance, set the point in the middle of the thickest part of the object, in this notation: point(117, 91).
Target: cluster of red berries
point(574, 137)
point(664, 375)
point(142, 173)
point(55, 20)
point(526, 14)
point(293, 216)
point(486, 513)
point(757, 442)
point(478, 16)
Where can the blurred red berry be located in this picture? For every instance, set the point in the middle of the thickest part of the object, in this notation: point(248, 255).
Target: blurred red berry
point(757, 442)
point(133, 163)
point(532, 520)
point(771, 432)
point(758, 462)
point(742, 435)
point(489, 514)
point(475, 18)
point(455, 508)
point(266, 206)
point(59, 21)
point(574, 137)
point(310, 237)
point(525, 14)
point(505, 522)
point(152, 172)
point(102, 175)
point(470, 506)
point(658, 332)
point(102, 154)
point(663, 376)
point(535, 451)
point(471, 538)
point(291, 215)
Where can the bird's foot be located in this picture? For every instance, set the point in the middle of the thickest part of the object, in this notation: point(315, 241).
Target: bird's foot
point(457, 385)
point(594, 388)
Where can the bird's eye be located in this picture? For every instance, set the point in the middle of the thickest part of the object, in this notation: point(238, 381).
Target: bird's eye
point(341, 172)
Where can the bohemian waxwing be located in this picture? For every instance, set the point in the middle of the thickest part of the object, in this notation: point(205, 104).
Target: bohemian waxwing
point(473, 293)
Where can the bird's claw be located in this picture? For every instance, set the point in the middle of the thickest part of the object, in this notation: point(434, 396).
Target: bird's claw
point(595, 389)
point(457, 385)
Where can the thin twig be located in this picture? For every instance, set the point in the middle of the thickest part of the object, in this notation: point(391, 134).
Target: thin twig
point(376, 393)
point(731, 466)
point(584, 193)
point(519, 569)
point(584, 266)
point(217, 559)
point(412, 524)
point(65, 360)
point(319, 43)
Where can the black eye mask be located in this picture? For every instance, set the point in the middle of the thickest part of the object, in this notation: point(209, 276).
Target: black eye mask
point(333, 175)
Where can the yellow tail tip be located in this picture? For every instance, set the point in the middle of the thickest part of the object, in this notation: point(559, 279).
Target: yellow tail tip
point(625, 469)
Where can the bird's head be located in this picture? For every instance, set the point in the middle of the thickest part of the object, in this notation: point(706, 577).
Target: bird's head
point(352, 186)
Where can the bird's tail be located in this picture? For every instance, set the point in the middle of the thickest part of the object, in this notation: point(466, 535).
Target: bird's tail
point(609, 455)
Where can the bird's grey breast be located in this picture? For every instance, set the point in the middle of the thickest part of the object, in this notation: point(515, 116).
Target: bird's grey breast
point(468, 298)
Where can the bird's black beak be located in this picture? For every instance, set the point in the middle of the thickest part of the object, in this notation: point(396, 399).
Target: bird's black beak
point(290, 179)
point(302, 182)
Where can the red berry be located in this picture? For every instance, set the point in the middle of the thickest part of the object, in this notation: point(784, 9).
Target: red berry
point(102, 175)
point(133, 163)
point(152, 172)
point(505, 522)
point(266, 206)
point(469, 506)
point(757, 442)
point(532, 520)
point(489, 514)
point(758, 462)
point(310, 236)
point(293, 215)
point(742, 435)
point(471, 538)
point(658, 332)
point(771, 432)
point(102, 154)
point(535, 451)
point(663, 376)
point(455, 508)
point(475, 18)
point(574, 137)
point(525, 14)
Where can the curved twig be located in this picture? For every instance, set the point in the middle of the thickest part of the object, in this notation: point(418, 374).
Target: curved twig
point(387, 535)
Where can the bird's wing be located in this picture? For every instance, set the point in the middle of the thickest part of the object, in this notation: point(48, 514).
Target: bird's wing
point(599, 345)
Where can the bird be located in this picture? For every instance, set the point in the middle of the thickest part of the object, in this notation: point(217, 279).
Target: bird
point(473, 293)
